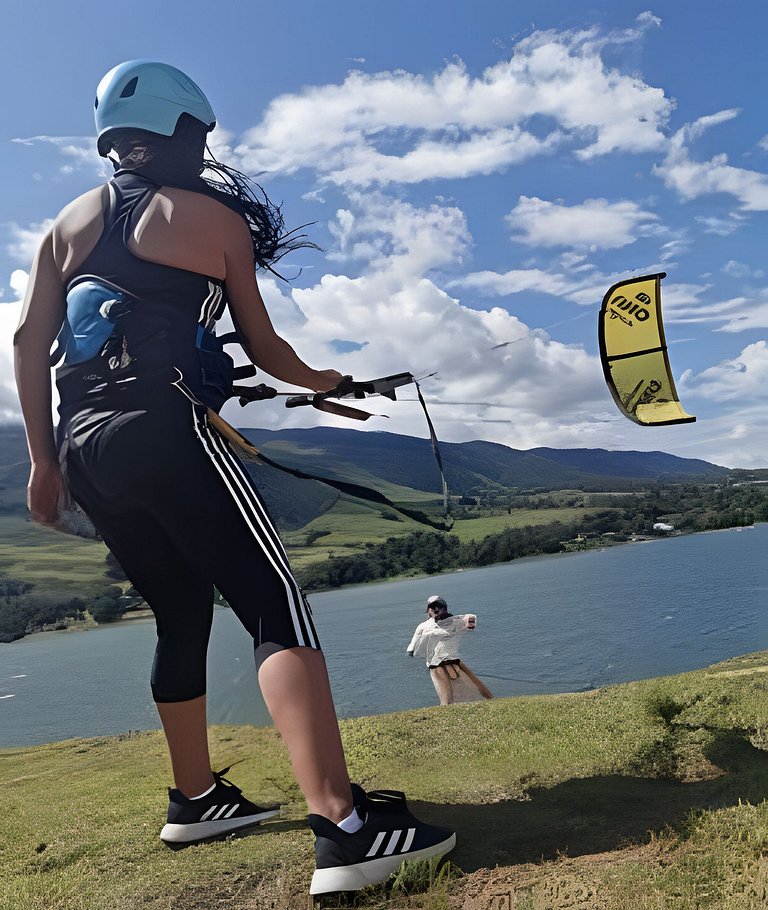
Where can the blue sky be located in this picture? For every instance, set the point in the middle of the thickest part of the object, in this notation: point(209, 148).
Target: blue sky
point(477, 173)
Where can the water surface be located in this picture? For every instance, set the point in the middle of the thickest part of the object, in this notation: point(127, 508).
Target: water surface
point(546, 624)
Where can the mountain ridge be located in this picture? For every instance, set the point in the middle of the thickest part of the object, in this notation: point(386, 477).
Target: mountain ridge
point(404, 468)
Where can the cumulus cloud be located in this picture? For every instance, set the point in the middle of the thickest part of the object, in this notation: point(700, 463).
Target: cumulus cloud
point(397, 126)
point(743, 377)
point(24, 241)
point(692, 179)
point(592, 224)
point(401, 319)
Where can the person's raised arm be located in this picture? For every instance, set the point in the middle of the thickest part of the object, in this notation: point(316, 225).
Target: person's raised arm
point(266, 349)
point(41, 319)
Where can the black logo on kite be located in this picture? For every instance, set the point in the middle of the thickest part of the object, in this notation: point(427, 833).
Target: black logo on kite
point(647, 396)
point(634, 307)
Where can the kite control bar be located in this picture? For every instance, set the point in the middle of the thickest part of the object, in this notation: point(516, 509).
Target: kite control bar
point(386, 386)
point(347, 388)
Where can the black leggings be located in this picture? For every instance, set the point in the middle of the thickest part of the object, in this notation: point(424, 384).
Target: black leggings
point(180, 514)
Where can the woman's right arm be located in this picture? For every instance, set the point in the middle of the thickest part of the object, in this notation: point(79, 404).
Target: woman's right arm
point(73, 236)
point(41, 319)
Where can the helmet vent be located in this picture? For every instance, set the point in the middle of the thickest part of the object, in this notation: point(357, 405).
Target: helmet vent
point(130, 88)
point(96, 104)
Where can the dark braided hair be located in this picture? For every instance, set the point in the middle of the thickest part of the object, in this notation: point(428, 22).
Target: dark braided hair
point(179, 160)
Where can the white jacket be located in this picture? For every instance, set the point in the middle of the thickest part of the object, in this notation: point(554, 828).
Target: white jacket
point(439, 641)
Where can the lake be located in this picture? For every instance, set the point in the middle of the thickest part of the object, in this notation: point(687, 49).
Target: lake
point(559, 623)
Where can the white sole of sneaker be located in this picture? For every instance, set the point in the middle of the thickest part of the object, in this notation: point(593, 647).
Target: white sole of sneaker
point(353, 878)
point(187, 834)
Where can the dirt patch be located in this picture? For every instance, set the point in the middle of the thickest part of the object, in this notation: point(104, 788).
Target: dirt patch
point(566, 884)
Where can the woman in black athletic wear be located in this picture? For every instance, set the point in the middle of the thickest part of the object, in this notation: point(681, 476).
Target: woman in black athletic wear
point(132, 278)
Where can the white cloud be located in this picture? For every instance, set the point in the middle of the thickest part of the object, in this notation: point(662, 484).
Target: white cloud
point(752, 314)
point(692, 179)
point(24, 241)
point(517, 281)
point(673, 248)
point(592, 224)
point(407, 322)
point(80, 152)
point(396, 126)
point(18, 282)
point(745, 377)
point(10, 410)
point(723, 227)
point(741, 270)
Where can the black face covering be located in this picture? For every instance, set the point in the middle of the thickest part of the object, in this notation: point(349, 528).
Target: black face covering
point(174, 160)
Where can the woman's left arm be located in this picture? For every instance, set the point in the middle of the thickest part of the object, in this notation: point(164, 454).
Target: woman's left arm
point(265, 348)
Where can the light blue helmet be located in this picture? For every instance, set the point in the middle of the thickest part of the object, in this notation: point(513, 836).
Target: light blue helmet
point(147, 95)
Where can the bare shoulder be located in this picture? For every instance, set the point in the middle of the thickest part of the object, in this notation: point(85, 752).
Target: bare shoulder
point(199, 205)
point(82, 213)
point(78, 228)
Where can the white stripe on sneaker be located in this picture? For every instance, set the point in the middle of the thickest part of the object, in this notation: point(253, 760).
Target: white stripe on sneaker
point(221, 812)
point(408, 840)
point(390, 848)
point(232, 810)
point(208, 814)
point(376, 844)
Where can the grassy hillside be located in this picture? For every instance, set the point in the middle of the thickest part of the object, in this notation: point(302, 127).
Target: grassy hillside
point(409, 462)
point(646, 795)
point(49, 560)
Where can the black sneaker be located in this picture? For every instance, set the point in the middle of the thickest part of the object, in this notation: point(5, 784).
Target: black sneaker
point(389, 835)
point(222, 811)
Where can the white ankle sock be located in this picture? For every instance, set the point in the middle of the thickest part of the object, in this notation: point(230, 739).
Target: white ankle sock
point(351, 823)
point(209, 790)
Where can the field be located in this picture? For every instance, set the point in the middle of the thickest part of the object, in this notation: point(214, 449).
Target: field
point(50, 560)
point(350, 524)
point(477, 528)
point(645, 796)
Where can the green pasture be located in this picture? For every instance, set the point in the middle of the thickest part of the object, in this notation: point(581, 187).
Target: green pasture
point(477, 528)
point(645, 796)
point(50, 560)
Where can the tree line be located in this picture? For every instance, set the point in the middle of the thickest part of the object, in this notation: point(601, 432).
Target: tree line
point(695, 508)
point(24, 610)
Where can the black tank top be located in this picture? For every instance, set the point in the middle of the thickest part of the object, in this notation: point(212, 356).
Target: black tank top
point(162, 332)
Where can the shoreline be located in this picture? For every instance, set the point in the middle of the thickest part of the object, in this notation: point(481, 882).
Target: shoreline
point(89, 623)
point(720, 667)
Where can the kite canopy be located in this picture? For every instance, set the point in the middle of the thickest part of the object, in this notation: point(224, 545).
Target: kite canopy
point(633, 352)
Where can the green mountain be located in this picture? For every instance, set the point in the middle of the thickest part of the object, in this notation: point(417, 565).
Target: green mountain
point(404, 468)
point(409, 462)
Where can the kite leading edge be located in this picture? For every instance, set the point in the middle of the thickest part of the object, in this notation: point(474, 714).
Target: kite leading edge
point(633, 352)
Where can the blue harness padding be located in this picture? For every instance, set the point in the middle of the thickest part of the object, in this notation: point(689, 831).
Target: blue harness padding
point(216, 367)
point(94, 307)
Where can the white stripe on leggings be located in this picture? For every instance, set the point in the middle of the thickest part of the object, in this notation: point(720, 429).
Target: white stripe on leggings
point(240, 490)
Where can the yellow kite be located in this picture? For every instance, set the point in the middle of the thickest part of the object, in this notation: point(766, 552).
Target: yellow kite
point(633, 352)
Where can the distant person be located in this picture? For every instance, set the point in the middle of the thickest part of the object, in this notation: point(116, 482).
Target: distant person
point(135, 274)
point(438, 639)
